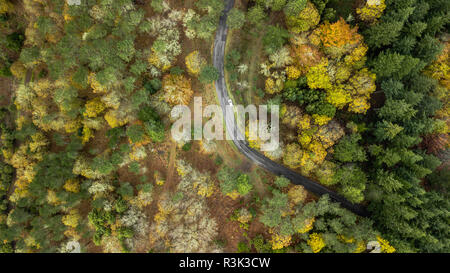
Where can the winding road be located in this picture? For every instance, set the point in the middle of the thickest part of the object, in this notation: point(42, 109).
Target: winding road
point(236, 135)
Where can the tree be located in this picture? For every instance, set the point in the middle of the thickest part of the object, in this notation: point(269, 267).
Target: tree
point(256, 15)
point(316, 242)
point(387, 130)
point(72, 219)
point(135, 133)
point(348, 149)
point(383, 33)
point(159, 5)
point(94, 107)
point(236, 18)
point(274, 38)
point(280, 58)
point(294, 7)
point(388, 64)
point(260, 245)
point(152, 86)
point(292, 155)
point(207, 24)
point(243, 248)
point(153, 126)
point(320, 5)
point(177, 89)
point(339, 38)
point(243, 185)
point(184, 212)
point(134, 167)
point(125, 190)
point(305, 56)
point(233, 183)
point(307, 18)
point(332, 228)
point(208, 74)
point(275, 5)
point(325, 173)
point(194, 62)
point(318, 77)
point(14, 41)
point(125, 49)
point(297, 194)
point(397, 110)
point(371, 10)
point(271, 216)
point(6, 6)
point(147, 113)
point(282, 181)
point(353, 182)
point(155, 130)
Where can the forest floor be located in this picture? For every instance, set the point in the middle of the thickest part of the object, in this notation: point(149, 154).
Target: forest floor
point(253, 68)
point(6, 89)
point(171, 166)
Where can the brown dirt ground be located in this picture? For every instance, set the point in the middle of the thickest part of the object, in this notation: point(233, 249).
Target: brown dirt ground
point(221, 208)
point(171, 166)
point(6, 90)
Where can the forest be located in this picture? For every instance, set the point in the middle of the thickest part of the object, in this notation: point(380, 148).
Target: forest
point(87, 156)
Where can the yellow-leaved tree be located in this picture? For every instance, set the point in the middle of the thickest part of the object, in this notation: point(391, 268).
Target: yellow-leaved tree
point(194, 62)
point(177, 89)
point(5, 6)
point(371, 10)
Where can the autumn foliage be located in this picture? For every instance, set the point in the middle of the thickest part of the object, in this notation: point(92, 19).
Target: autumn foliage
point(177, 89)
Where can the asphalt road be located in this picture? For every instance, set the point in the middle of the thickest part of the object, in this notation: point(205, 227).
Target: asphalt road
point(236, 135)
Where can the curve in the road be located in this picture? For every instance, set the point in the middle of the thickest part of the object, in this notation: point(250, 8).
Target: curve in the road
point(242, 145)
